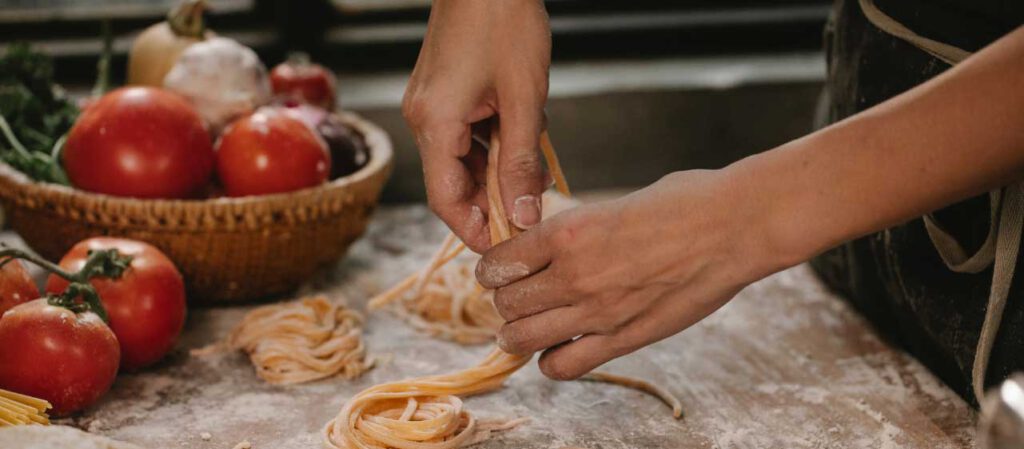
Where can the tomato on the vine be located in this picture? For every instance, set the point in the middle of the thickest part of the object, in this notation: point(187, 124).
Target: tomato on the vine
point(16, 286)
point(270, 152)
point(52, 353)
point(140, 142)
point(146, 305)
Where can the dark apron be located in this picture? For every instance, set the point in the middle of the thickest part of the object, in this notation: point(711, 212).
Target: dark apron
point(896, 278)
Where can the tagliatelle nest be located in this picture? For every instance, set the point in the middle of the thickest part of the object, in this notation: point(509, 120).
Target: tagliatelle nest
point(301, 341)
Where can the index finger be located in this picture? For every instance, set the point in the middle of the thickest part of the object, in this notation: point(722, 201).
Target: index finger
point(452, 193)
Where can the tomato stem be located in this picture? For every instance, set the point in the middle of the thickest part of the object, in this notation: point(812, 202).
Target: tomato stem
point(109, 263)
point(298, 59)
point(90, 300)
point(8, 254)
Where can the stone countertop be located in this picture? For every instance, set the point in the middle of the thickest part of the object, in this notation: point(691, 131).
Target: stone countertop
point(786, 364)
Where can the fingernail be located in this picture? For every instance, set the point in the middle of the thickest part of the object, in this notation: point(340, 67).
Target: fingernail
point(476, 217)
point(526, 212)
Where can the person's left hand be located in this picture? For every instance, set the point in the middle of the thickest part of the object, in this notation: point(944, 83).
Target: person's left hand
point(623, 274)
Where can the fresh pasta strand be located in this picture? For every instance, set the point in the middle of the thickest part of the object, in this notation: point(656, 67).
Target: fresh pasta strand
point(641, 385)
point(18, 409)
point(301, 341)
point(427, 413)
point(422, 413)
point(444, 299)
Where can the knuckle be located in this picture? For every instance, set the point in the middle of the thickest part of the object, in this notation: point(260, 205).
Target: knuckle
point(606, 320)
point(413, 108)
point(564, 234)
point(577, 286)
point(576, 281)
point(522, 165)
point(623, 342)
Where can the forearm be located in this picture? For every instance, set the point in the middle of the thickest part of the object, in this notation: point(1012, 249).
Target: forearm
point(953, 137)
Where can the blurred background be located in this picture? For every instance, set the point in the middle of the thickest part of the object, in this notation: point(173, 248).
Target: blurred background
point(639, 88)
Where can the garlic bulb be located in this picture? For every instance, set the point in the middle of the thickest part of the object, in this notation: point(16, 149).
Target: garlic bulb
point(222, 78)
point(157, 48)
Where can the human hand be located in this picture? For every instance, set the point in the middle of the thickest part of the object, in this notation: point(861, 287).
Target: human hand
point(625, 273)
point(480, 60)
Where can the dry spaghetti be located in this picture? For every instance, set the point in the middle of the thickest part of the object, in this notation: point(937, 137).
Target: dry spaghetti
point(17, 409)
point(304, 340)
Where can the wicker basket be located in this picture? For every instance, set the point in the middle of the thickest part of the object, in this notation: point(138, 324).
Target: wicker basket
point(229, 249)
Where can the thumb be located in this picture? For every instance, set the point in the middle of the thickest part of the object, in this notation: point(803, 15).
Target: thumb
point(520, 167)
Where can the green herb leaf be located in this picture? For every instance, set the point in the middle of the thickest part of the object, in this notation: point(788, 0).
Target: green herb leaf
point(37, 112)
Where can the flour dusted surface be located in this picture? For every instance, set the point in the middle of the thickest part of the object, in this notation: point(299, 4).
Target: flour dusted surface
point(785, 364)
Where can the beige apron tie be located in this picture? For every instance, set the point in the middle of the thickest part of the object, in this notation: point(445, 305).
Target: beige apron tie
point(1005, 221)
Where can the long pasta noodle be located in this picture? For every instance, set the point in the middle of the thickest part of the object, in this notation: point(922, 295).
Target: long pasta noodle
point(17, 409)
point(426, 412)
point(444, 299)
point(301, 341)
point(641, 385)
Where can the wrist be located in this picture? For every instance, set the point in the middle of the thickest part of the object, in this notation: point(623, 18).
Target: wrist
point(771, 235)
point(719, 217)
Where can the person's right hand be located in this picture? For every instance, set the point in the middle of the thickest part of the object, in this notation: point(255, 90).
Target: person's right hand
point(481, 59)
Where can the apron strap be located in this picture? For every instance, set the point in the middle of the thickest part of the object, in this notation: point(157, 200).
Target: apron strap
point(1011, 220)
point(945, 52)
point(954, 255)
point(1006, 217)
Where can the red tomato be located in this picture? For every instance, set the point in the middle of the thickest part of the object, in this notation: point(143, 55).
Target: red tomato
point(141, 142)
point(16, 286)
point(146, 305)
point(55, 354)
point(301, 81)
point(270, 152)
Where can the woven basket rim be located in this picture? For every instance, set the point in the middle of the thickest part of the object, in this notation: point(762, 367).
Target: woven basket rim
point(381, 158)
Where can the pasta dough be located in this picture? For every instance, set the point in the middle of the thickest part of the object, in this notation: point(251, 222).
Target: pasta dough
point(304, 340)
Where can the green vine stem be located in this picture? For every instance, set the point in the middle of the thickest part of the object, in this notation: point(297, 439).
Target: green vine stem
point(103, 64)
point(109, 263)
